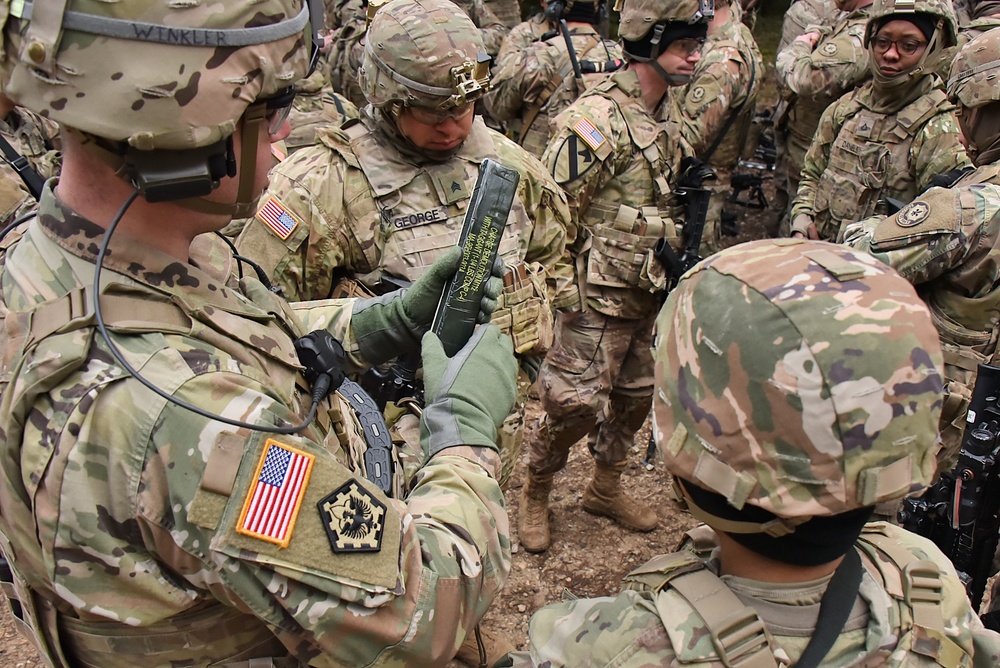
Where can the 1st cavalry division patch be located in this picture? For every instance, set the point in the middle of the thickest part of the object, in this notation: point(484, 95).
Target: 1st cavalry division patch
point(272, 502)
point(353, 519)
point(277, 218)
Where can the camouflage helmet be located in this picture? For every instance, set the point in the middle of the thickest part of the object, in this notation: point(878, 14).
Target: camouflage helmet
point(975, 72)
point(638, 17)
point(424, 53)
point(946, 27)
point(814, 388)
point(159, 75)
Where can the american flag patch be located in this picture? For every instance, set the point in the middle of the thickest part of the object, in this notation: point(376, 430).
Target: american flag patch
point(588, 133)
point(273, 501)
point(276, 216)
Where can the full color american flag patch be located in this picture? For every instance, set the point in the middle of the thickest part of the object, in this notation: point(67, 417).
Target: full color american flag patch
point(277, 217)
point(273, 500)
point(588, 133)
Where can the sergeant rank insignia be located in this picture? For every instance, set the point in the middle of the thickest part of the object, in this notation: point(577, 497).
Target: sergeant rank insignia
point(913, 214)
point(277, 218)
point(272, 502)
point(353, 519)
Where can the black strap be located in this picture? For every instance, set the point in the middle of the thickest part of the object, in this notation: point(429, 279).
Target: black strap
point(834, 609)
point(732, 117)
point(31, 178)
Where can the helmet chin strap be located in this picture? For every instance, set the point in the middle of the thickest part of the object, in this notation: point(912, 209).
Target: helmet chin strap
point(671, 79)
point(246, 197)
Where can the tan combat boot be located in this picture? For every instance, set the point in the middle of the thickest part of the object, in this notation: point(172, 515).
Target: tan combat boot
point(483, 648)
point(604, 496)
point(533, 516)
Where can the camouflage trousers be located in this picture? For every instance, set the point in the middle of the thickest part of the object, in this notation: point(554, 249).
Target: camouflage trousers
point(405, 430)
point(596, 381)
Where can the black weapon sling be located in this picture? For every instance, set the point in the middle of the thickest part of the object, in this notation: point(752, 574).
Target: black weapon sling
point(834, 609)
point(32, 180)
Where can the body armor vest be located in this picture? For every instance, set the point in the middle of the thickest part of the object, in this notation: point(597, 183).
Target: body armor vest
point(870, 160)
point(630, 214)
point(421, 209)
point(912, 586)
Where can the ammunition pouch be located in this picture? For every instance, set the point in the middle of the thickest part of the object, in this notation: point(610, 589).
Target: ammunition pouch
point(622, 253)
point(524, 311)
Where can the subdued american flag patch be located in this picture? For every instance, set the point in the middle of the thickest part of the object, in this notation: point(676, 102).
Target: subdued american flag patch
point(588, 133)
point(272, 502)
point(277, 217)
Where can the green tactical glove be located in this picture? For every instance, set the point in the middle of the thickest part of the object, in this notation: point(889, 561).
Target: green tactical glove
point(388, 326)
point(468, 396)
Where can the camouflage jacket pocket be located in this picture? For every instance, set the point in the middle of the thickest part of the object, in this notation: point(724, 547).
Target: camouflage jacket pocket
point(852, 183)
point(617, 258)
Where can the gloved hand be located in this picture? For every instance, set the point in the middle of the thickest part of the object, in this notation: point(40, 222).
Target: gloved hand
point(391, 325)
point(467, 396)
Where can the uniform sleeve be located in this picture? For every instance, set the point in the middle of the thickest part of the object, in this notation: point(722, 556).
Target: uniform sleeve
point(362, 578)
point(834, 66)
point(940, 231)
point(816, 161)
point(598, 632)
point(709, 101)
point(588, 139)
point(937, 149)
point(491, 28)
point(554, 231)
point(300, 234)
point(520, 81)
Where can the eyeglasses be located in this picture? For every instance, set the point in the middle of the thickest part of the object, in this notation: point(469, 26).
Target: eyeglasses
point(687, 46)
point(277, 108)
point(437, 116)
point(905, 47)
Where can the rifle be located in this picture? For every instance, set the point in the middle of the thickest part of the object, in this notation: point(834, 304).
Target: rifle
point(960, 512)
point(752, 183)
point(690, 188)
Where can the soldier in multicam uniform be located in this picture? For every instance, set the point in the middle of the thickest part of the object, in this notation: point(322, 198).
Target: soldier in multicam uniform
point(34, 138)
point(382, 198)
point(348, 20)
point(715, 110)
point(139, 531)
point(804, 13)
point(817, 68)
point(316, 106)
point(781, 434)
point(532, 85)
point(617, 161)
point(890, 137)
point(486, 14)
point(523, 35)
point(946, 241)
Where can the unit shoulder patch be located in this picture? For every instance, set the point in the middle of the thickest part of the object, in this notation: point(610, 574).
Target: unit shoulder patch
point(277, 218)
point(912, 214)
point(353, 519)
